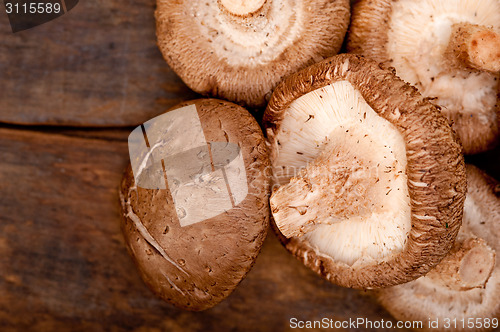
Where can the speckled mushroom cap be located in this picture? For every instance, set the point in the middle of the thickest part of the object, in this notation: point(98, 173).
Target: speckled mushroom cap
point(195, 266)
point(369, 177)
point(240, 50)
point(466, 284)
point(449, 49)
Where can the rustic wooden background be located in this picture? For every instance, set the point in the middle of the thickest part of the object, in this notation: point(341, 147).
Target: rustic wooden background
point(70, 93)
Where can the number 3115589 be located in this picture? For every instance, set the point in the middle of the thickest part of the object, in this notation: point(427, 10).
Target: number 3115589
point(33, 8)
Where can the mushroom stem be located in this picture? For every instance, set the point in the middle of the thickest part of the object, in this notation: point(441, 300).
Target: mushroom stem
point(474, 46)
point(468, 265)
point(242, 7)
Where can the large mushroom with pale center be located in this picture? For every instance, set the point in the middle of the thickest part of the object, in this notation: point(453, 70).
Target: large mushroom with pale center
point(240, 50)
point(462, 293)
point(369, 178)
point(448, 49)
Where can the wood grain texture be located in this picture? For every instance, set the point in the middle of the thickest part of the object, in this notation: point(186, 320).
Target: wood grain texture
point(64, 266)
point(97, 65)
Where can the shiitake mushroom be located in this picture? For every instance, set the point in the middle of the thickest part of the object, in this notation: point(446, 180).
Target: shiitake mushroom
point(240, 50)
point(465, 287)
point(448, 49)
point(370, 176)
point(195, 201)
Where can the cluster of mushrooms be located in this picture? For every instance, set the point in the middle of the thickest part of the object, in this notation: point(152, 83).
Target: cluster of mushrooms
point(361, 172)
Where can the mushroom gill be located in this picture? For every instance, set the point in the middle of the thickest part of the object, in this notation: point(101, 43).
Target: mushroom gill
point(349, 196)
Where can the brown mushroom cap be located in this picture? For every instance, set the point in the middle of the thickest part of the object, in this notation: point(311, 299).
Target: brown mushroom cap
point(450, 52)
point(341, 97)
point(436, 296)
point(197, 265)
point(240, 50)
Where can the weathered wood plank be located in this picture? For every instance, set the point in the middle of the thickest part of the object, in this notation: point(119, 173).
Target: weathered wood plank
point(64, 266)
point(97, 65)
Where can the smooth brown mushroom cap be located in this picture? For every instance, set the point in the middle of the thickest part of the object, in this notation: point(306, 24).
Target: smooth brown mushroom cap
point(196, 266)
point(242, 58)
point(436, 296)
point(468, 93)
point(435, 170)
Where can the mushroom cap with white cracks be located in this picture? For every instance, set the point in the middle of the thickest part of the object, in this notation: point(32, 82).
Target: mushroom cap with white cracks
point(185, 252)
point(448, 49)
point(466, 284)
point(240, 50)
point(372, 177)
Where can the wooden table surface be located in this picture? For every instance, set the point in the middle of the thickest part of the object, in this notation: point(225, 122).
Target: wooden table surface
point(63, 263)
point(97, 65)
